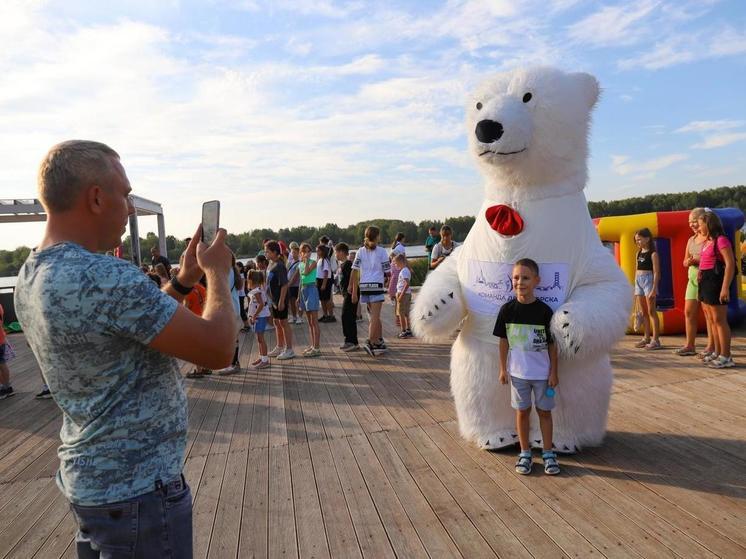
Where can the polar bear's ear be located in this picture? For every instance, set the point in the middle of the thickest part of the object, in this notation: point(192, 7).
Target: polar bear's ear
point(589, 86)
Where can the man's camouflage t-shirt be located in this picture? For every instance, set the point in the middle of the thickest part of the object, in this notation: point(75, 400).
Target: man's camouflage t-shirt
point(526, 327)
point(88, 319)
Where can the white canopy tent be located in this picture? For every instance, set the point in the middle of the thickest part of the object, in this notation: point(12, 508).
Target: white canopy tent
point(25, 210)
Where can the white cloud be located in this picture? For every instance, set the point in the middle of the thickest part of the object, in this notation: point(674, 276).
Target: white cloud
point(720, 140)
point(709, 125)
point(614, 25)
point(623, 165)
point(683, 46)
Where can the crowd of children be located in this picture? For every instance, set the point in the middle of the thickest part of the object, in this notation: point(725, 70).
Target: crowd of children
point(285, 283)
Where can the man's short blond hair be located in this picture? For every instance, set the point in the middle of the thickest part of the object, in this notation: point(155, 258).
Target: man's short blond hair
point(68, 168)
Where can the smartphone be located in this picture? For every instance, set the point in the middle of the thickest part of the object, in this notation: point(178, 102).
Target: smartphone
point(210, 220)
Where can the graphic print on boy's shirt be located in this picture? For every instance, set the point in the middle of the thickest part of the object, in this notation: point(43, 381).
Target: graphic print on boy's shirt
point(526, 327)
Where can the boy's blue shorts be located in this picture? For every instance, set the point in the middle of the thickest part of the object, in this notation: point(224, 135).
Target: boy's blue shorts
point(520, 394)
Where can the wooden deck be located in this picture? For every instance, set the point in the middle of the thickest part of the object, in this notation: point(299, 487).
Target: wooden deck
point(347, 456)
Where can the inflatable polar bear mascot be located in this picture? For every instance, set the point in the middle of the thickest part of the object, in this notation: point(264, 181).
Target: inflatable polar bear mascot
point(528, 131)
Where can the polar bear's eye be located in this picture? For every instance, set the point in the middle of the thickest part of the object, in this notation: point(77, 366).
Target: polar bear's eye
point(527, 97)
point(479, 106)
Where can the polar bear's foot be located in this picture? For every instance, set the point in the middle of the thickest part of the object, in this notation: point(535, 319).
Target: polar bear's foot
point(561, 446)
point(497, 440)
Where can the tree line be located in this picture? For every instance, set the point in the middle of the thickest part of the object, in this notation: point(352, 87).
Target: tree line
point(247, 244)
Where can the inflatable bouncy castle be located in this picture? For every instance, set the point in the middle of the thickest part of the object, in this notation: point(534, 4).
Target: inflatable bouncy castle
point(671, 231)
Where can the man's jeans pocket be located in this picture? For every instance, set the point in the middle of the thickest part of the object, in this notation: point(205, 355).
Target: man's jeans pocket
point(112, 529)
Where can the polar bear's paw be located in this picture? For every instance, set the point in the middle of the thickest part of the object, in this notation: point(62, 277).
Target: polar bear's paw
point(498, 440)
point(566, 333)
point(437, 316)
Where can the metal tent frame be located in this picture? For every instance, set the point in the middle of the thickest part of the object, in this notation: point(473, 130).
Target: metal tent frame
point(23, 210)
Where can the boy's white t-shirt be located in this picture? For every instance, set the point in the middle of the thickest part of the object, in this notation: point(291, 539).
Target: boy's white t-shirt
point(254, 302)
point(404, 275)
point(374, 265)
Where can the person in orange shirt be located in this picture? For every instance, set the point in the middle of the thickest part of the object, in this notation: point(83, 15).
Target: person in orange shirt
point(6, 390)
point(195, 302)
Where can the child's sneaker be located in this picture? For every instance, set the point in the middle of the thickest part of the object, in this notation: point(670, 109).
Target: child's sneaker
point(348, 346)
point(551, 466)
point(685, 351)
point(654, 344)
point(255, 362)
point(315, 352)
point(368, 347)
point(722, 362)
point(642, 343)
point(285, 355)
point(276, 351)
point(402, 334)
point(524, 463)
point(6, 392)
point(706, 353)
point(262, 365)
point(711, 357)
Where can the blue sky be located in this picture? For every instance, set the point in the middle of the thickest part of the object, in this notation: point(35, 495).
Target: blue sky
point(303, 112)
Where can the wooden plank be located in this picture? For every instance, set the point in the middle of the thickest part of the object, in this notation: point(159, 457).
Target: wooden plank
point(42, 528)
point(562, 532)
point(340, 532)
point(282, 534)
point(466, 537)
point(493, 529)
point(368, 526)
point(60, 539)
point(402, 535)
point(13, 531)
point(309, 520)
point(538, 543)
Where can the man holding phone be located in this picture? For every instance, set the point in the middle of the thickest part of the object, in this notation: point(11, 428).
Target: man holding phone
point(106, 339)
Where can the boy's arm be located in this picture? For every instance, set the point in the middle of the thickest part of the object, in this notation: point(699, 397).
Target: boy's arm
point(283, 295)
point(504, 347)
point(553, 378)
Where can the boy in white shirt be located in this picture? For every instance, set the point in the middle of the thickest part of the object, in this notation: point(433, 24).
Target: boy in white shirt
point(403, 294)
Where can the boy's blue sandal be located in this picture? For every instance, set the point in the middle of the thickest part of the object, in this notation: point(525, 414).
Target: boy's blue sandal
point(551, 466)
point(523, 466)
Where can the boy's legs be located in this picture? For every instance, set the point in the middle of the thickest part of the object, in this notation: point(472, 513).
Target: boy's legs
point(722, 329)
point(522, 425)
point(280, 333)
point(547, 427)
point(349, 317)
point(520, 400)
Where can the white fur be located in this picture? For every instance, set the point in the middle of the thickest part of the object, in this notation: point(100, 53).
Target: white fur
point(545, 185)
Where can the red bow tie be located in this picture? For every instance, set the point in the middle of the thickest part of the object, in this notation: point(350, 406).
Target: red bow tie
point(504, 219)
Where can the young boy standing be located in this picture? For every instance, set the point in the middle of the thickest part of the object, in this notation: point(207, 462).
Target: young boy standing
point(349, 309)
point(528, 354)
point(403, 294)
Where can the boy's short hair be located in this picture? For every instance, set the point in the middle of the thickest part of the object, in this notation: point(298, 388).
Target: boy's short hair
point(432, 228)
point(261, 259)
point(343, 247)
point(528, 263)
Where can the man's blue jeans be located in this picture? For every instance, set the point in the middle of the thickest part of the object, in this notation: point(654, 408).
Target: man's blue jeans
point(157, 524)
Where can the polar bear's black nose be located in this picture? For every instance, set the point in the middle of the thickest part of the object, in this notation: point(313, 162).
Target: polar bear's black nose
point(489, 131)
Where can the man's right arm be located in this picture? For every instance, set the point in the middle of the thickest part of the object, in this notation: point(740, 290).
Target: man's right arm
point(206, 340)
